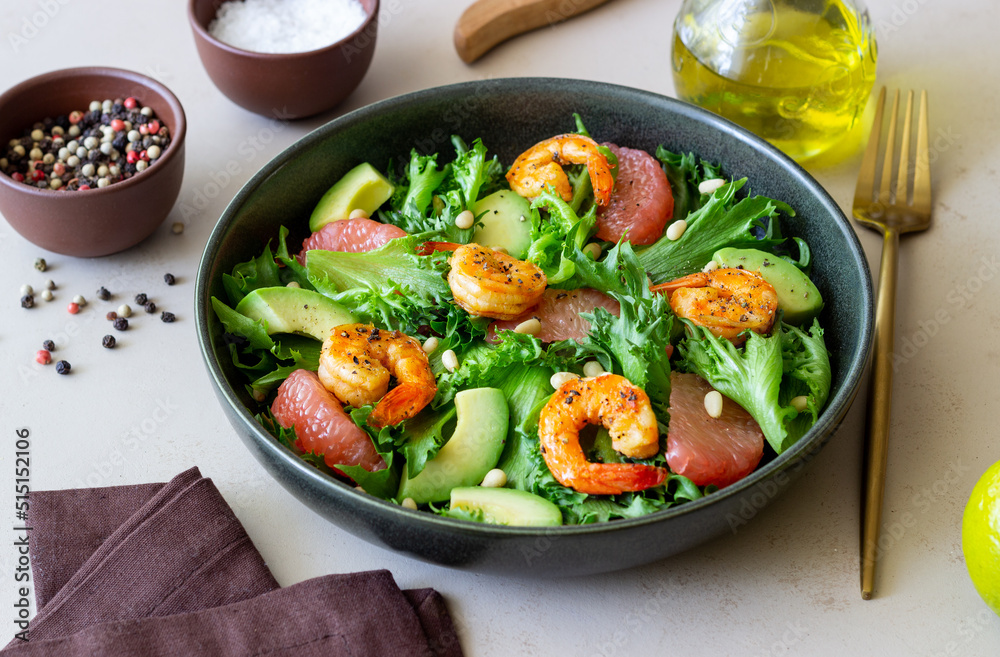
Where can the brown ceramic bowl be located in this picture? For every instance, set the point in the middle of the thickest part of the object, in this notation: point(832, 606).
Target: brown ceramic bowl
point(285, 86)
point(92, 222)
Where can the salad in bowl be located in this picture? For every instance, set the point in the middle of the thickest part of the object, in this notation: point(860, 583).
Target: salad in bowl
point(588, 333)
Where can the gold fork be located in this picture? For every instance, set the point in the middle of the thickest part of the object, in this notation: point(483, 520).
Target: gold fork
point(891, 210)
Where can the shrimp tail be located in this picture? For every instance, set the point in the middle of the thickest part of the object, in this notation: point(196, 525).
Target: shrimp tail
point(615, 478)
point(401, 403)
point(430, 247)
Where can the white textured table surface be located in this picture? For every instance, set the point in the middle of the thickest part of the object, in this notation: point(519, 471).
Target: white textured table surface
point(785, 583)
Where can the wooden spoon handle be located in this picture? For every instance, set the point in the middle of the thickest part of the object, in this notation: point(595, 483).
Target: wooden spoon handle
point(487, 23)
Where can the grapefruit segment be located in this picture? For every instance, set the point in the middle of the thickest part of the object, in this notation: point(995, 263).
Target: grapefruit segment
point(559, 314)
point(321, 425)
point(718, 451)
point(641, 203)
point(350, 236)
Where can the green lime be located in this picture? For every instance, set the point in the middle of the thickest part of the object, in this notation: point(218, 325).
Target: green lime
point(981, 537)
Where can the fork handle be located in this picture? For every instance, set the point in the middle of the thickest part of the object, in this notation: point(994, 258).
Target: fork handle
point(879, 404)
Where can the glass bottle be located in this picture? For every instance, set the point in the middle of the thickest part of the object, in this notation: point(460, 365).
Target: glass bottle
point(796, 72)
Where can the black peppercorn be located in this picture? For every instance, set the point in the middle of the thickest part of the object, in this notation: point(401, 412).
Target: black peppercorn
point(141, 298)
point(28, 301)
point(169, 279)
point(167, 317)
point(49, 345)
point(120, 324)
point(150, 307)
point(103, 294)
point(109, 342)
point(63, 367)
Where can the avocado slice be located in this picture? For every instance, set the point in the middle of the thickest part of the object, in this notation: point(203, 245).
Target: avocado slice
point(294, 310)
point(506, 506)
point(797, 296)
point(361, 188)
point(503, 224)
point(472, 451)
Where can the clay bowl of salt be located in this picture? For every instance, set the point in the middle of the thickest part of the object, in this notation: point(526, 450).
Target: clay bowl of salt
point(286, 59)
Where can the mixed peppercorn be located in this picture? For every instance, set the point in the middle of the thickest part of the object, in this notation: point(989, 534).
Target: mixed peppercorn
point(110, 142)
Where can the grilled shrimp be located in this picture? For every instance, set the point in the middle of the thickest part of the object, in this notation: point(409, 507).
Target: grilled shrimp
point(624, 409)
point(489, 283)
point(357, 361)
point(725, 301)
point(541, 166)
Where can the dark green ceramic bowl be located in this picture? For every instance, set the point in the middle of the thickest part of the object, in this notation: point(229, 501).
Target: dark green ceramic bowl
point(510, 115)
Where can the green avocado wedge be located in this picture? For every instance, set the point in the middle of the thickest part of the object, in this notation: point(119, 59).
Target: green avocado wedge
point(505, 506)
point(505, 222)
point(294, 310)
point(361, 188)
point(797, 296)
point(472, 450)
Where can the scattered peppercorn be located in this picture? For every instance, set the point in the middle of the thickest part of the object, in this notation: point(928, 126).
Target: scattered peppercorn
point(50, 284)
point(112, 316)
point(150, 307)
point(40, 264)
point(169, 279)
point(120, 324)
point(73, 308)
point(79, 300)
point(46, 295)
point(27, 301)
point(167, 317)
point(49, 345)
point(63, 367)
point(103, 294)
point(43, 357)
point(109, 342)
point(141, 298)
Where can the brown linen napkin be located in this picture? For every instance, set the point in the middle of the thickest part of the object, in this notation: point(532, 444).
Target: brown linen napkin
point(107, 561)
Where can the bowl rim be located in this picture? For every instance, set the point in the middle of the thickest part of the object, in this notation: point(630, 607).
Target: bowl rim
point(793, 458)
point(203, 33)
point(178, 133)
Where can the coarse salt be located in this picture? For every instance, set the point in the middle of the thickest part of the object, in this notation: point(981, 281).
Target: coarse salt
point(286, 26)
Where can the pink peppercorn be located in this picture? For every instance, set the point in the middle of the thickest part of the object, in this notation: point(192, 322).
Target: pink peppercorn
point(143, 129)
point(37, 175)
point(82, 187)
point(73, 308)
point(17, 176)
point(144, 156)
point(43, 357)
point(154, 126)
point(117, 125)
point(132, 157)
point(131, 102)
point(75, 116)
point(59, 168)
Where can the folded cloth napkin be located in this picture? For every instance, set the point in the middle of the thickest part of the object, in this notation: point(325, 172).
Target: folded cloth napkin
point(167, 569)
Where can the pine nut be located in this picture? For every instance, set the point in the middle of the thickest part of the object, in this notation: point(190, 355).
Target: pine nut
point(676, 229)
point(408, 503)
point(357, 213)
point(449, 360)
point(430, 344)
point(559, 378)
point(711, 266)
point(709, 186)
point(529, 326)
point(495, 478)
point(293, 284)
point(498, 249)
point(592, 368)
point(465, 219)
point(799, 403)
point(713, 404)
point(592, 250)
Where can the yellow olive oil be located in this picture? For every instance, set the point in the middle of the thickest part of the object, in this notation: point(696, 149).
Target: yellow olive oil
point(797, 73)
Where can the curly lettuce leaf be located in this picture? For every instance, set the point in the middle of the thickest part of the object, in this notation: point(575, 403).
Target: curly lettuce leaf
point(719, 223)
point(685, 172)
point(555, 237)
point(765, 375)
point(261, 271)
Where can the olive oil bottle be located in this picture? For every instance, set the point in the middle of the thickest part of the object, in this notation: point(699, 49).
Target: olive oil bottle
point(796, 72)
